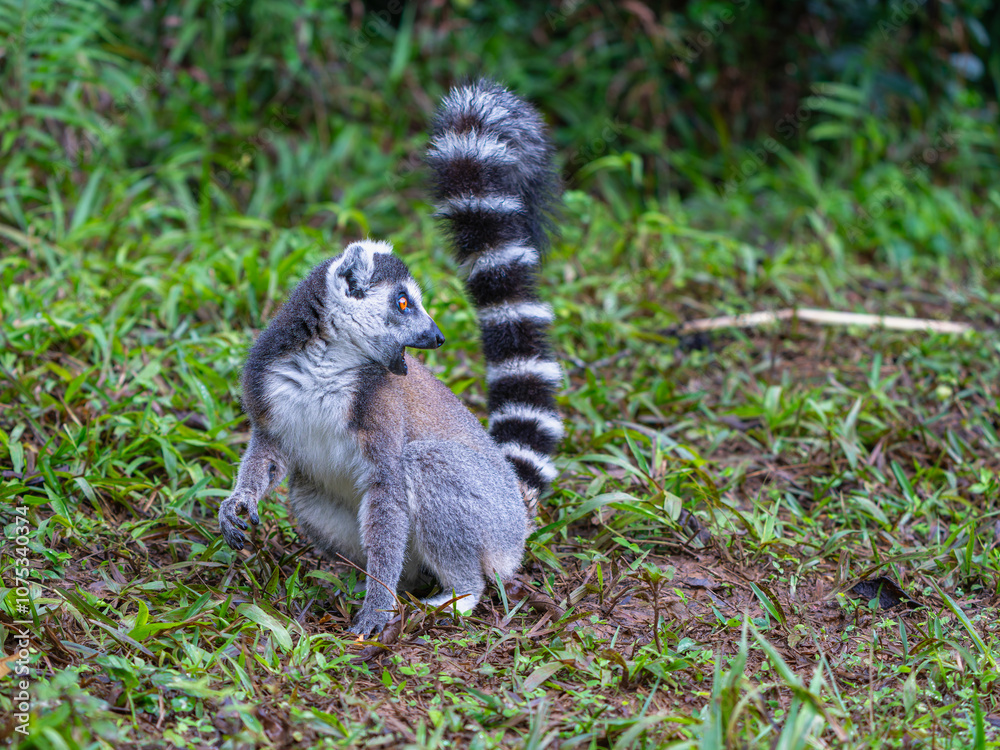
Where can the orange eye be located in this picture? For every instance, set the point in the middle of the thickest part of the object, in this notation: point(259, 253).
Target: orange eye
point(402, 302)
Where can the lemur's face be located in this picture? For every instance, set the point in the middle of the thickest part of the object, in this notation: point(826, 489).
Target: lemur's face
point(376, 307)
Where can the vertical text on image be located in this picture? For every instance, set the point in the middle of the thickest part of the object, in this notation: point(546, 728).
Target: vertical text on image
point(21, 699)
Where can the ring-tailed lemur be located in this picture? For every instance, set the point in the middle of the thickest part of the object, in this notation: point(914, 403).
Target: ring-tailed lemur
point(386, 466)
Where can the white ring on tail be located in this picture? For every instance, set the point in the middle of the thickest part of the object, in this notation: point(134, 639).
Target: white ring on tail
point(482, 147)
point(511, 313)
point(542, 464)
point(508, 255)
point(546, 420)
point(490, 204)
point(543, 369)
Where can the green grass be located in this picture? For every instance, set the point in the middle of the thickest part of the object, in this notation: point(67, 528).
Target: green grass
point(690, 580)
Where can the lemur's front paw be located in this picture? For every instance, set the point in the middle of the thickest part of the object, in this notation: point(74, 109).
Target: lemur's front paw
point(370, 620)
point(230, 522)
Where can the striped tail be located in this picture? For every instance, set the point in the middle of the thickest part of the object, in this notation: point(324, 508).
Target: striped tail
point(495, 188)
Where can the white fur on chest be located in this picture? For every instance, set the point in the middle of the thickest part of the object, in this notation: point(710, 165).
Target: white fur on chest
point(311, 395)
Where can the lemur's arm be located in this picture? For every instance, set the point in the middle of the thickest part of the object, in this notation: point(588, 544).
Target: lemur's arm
point(385, 527)
point(262, 468)
point(384, 516)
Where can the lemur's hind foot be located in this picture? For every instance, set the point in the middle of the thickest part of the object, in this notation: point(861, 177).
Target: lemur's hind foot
point(464, 602)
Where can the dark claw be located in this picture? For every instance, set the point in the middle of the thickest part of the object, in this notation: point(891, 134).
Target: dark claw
point(233, 537)
point(230, 522)
point(369, 622)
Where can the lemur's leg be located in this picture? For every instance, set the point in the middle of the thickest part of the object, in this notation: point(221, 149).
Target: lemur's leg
point(452, 550)
point(469, 519)
point(385, 527)
point(262, 467)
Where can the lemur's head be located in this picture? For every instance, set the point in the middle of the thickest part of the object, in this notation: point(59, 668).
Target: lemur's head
point(375, 305)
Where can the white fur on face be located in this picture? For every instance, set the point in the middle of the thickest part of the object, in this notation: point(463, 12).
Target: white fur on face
point(414, 294)
point(360, 323)
point(369, 248)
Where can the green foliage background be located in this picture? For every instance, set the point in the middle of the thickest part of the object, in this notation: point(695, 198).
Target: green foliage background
point(270, 108)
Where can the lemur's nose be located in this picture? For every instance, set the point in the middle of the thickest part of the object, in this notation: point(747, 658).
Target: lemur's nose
point(430, 338)
point(436, 333)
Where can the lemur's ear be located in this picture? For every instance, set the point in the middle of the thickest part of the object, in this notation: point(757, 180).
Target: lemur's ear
point(356, 270)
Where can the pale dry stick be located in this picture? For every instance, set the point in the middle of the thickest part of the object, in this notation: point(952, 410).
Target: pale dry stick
point(804, 314)
point(825, 318)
